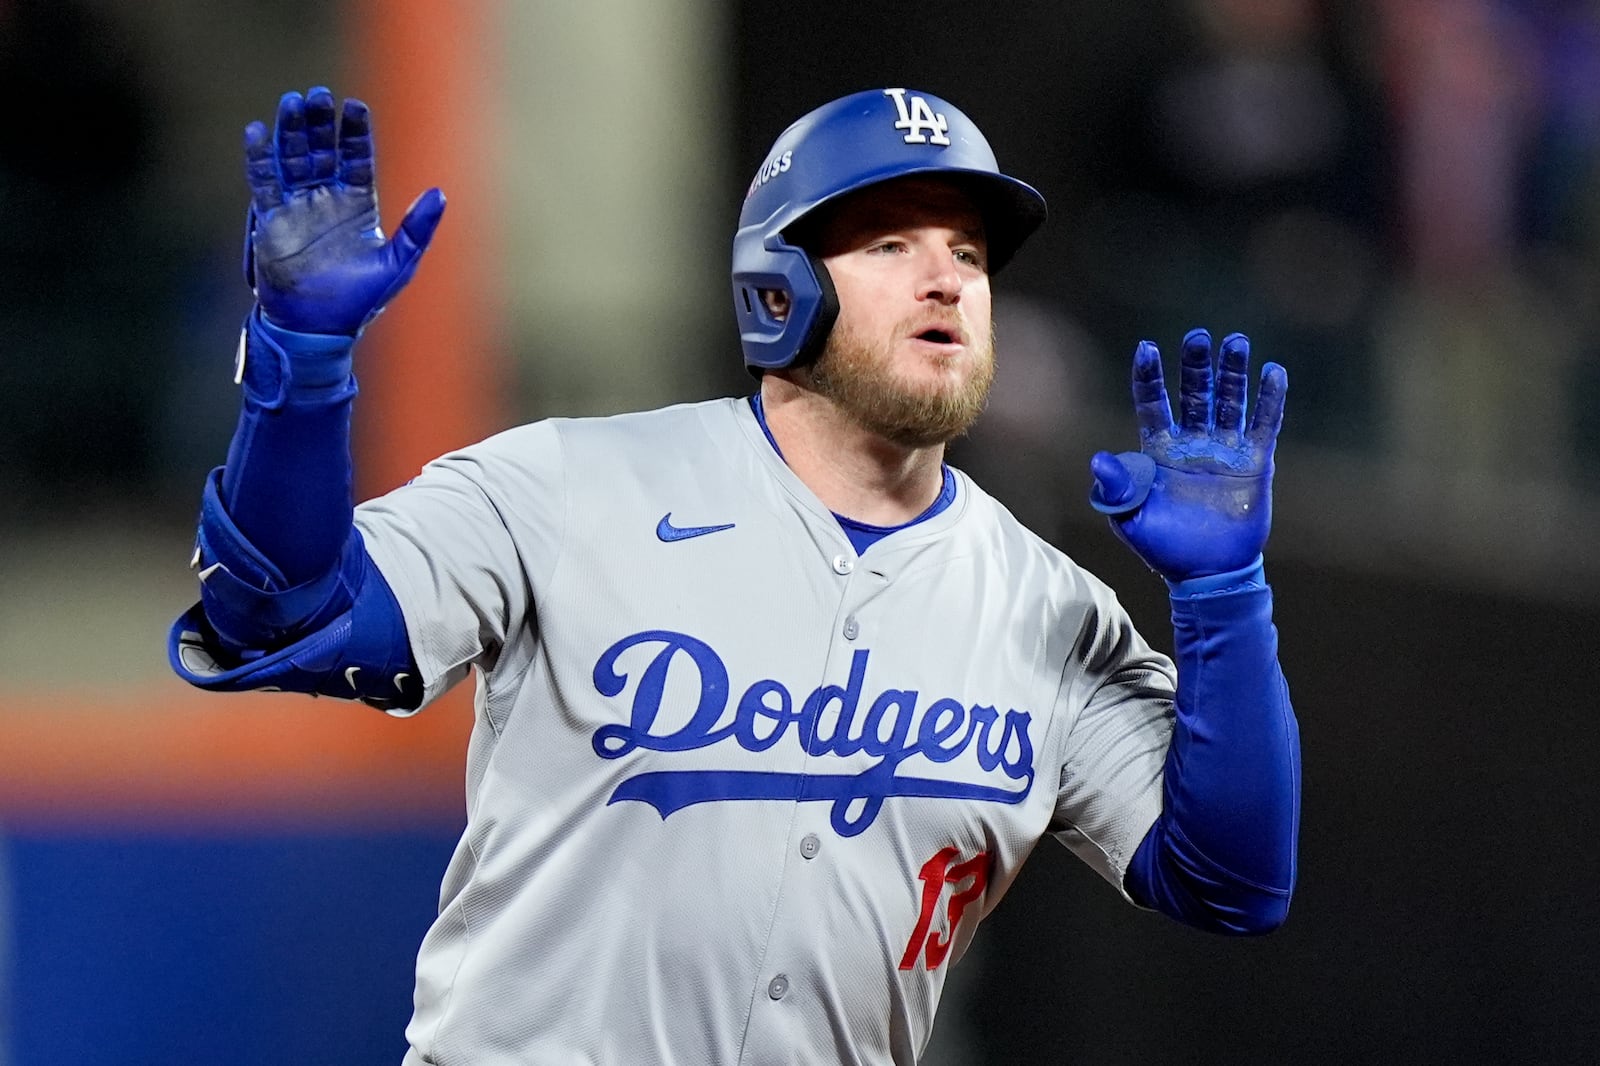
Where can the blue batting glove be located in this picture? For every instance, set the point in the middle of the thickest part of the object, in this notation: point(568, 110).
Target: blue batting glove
point(1196, 499)
point(314, 252)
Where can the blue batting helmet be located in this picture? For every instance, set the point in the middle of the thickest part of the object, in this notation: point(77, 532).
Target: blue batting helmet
point(849, 144)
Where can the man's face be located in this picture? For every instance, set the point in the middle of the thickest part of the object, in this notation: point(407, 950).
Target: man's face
point(911, 356)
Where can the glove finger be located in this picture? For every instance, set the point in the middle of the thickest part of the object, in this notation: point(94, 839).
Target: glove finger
point(1150, 404)
point(320, 133)
point(1233, 382)
point(1121, 482)
point(294, 149)
point(1194, 383)
point(355, 145)
point(250, 247)
point(416, 229)
point(260, 169)
point(1269, 407)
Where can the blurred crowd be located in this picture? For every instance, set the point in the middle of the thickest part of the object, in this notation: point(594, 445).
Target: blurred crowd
point(1401, 199)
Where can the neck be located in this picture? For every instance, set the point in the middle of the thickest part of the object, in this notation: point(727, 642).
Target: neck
point(852, 470)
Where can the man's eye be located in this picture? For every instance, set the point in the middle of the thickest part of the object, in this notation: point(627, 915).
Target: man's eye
point(888, 246)
point(969, 256)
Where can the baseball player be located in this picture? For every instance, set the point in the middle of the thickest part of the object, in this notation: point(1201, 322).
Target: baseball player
point(772, 703)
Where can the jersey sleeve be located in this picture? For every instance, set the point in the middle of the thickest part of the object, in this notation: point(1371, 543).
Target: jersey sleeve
point(466, 546)
point(1117, 694)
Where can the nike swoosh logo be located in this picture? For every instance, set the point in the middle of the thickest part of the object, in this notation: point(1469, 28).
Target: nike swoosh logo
point(669, 532)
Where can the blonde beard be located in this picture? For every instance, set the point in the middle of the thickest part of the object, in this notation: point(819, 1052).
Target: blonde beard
point(858, 376)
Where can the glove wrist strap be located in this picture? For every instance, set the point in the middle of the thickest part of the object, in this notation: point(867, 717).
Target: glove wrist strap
point(280, 367)
point(1253, 576)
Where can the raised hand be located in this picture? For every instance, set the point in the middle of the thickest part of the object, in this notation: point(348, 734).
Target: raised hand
point(314, 251)
point(1196, 499)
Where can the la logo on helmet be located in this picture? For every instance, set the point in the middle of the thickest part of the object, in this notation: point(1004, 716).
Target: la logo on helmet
point(919, 119)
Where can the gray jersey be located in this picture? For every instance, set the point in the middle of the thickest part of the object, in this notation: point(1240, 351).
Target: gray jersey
point(735, 794)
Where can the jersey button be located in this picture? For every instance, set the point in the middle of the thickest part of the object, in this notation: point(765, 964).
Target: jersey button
point(852, 628)
point(843, 564)
point(810, 846)
point(778, 987)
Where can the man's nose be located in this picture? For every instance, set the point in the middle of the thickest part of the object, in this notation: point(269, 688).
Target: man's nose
point(941, 280)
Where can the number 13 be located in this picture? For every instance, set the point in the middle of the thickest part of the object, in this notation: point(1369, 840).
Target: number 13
point(937, 873)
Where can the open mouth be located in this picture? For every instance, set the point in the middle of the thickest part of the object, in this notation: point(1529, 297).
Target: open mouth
point(937, 336)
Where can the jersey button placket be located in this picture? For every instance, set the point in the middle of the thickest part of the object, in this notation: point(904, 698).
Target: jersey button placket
point(843, 565)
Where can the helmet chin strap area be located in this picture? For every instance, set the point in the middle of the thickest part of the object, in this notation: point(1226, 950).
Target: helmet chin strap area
point(816, 336)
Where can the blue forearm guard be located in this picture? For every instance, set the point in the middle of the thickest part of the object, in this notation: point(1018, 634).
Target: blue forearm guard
point(246, 598)
point(1221, 856)
point(355, 647)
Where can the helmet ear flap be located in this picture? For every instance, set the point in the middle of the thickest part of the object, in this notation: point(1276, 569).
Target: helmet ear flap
point(768, 263)
point(820, 324)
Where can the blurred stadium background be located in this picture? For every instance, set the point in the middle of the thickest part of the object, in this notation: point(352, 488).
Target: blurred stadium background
point(1397, 199)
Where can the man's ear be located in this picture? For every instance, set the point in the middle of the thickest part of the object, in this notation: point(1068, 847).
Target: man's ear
point(777, 303)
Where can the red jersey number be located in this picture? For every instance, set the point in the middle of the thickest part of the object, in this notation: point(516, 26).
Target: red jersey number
point(936, 874)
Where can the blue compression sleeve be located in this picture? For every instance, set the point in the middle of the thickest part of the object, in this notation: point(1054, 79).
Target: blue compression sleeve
point(287, 484)
point(1221, 856)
